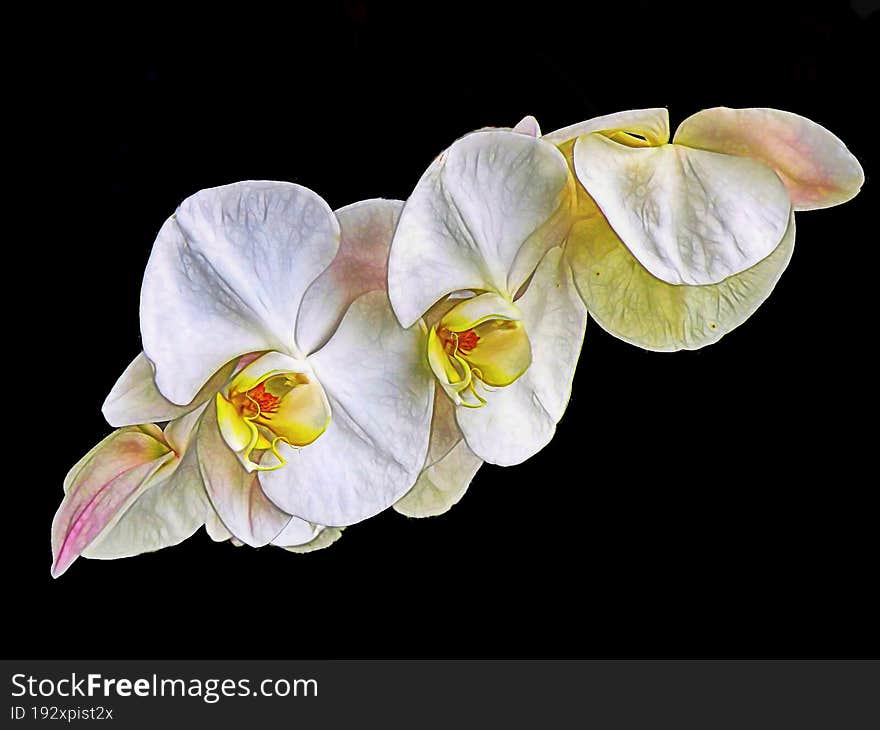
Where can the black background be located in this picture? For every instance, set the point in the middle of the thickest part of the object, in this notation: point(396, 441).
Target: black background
point(710, 503)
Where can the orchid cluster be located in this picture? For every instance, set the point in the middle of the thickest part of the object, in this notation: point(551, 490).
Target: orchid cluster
point(304, 369)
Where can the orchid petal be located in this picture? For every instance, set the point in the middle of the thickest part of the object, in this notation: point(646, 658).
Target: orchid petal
point(360, 266)
point(380, 390)
point(652, 124)
point(815, 166)
point(101, 487)
point(179, 431)
point(635, 306)
point(442, 485)
point(226, 277)
point(297, 532)
point(325, 538)
point(480, 218)
point(135, 398)
point(166, 514)
point(235, 493)
point(469, 313)
point(688, 216)
point(449, 467)
point(520, 419)
point(529, 126)
point(214, 525)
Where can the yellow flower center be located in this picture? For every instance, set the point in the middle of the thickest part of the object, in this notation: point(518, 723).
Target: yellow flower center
point(262, 408)
point(479, 342)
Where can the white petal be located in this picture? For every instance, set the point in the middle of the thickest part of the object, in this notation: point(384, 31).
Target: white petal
point(449, 467)
point(688, 216)
point(652, 124)
point(325, 538)
point(519, 420)
point(528, 125)
point(360, 266)
point(640, 309)
point(816, 167)
point(235, 494)
point(297, 532)
point(214, 525)
point(135, 398)
point(479, 218)
point(164, 515)
point(226, 277)
point(179, 431)
point(380, 389)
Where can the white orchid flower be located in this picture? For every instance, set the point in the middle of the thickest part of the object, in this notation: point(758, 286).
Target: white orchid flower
point(328, 419)
point(140, 490)
point(673, 245)
point(476, 254)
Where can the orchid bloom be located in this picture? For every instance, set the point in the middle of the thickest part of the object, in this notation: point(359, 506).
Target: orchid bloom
point(673, 245)
point(476, 256)
point(265, 314)
point(140, 490)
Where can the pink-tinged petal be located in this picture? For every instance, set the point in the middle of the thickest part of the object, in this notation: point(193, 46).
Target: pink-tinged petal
point(360, 266)
point(236, 495)
point(815, 166)
point(167, 513)
point(101, 487)
point(528, 125)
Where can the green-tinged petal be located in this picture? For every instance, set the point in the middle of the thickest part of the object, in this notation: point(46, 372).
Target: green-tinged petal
point(470, 312)
point(652, 124)
point(101, 487)
point(297, 532)
point(449, 467)
point(226, 277)
point(480, 218)
point(380, 389)
point(689, 216)
point(214, 525)
point(519, 420)
point(816, 167)
point(360, 266)
point(326, 537)
point(635, 306)
point(135, 398)
point(166, 514)
point(236, 494)
point(442, 485)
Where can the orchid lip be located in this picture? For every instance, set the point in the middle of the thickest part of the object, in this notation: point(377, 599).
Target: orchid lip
point(481, 341)
point(265, 406)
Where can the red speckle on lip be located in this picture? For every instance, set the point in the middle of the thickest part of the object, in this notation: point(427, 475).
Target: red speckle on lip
point(467, 340)
point(266, 401)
